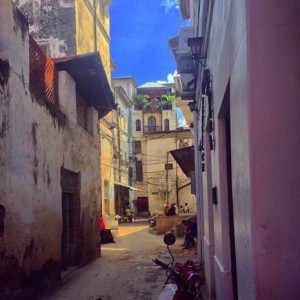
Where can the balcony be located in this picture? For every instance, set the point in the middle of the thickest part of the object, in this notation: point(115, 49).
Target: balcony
point(154, 108)
point(152, 128)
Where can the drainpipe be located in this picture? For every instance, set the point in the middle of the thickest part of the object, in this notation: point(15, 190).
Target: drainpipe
point(167, 179)
point(95, 24)
point(198, 180)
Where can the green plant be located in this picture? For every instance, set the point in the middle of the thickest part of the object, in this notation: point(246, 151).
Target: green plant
point(141, 100)
point(167, 100)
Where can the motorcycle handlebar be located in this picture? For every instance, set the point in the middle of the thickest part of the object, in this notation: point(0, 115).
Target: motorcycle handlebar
point(160, 263)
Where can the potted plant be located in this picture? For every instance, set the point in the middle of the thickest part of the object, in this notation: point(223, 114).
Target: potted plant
point(141, 101)
point(167, 101)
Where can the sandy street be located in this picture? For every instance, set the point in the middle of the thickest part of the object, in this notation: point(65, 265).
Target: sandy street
point(125, 270)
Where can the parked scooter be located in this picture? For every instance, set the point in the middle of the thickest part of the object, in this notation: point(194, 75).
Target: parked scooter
point(152, 219)
point(124, 219)
point(184, 281)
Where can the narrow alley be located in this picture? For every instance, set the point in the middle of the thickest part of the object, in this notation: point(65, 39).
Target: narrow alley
point(125, 269)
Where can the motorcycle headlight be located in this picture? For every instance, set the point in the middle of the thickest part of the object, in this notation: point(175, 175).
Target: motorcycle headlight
point(194, 284)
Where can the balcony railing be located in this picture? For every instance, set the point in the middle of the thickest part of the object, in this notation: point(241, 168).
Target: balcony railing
point(43, 75)
point(152, 128)
point(153, 108)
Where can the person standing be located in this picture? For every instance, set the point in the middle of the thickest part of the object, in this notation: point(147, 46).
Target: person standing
point(186, 208)
point(176, 209)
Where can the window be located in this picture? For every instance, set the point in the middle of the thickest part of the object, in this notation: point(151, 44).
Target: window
point(137, 146)
point(167, 124)
point(152, 123)
point(139, 170)
point(138, 125)
point(168, 166)
point(82, 111)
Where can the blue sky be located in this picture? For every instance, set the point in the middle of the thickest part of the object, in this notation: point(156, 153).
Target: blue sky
point(140, 30)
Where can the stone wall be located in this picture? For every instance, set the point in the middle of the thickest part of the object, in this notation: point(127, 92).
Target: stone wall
point(167, 223)
point(52, 24)
point(36, 143)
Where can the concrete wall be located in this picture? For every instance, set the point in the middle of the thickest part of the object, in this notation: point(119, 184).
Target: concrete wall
point(227, 61)
point(155, 157)
point(67, 27)
point(85, 35)
point(36, 142)
point(165, 224)
point(51, 24)
point(274, 46)
point(254, 61)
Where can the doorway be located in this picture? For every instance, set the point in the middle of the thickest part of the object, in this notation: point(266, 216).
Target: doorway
point(227, 127)
point(68, 233)
point(142, 204)
point(71, 237)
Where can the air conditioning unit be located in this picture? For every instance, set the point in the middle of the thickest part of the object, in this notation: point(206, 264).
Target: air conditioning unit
point(185, 64)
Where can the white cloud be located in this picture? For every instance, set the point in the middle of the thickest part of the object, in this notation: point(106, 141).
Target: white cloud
point(170, 78)
point(169, 4)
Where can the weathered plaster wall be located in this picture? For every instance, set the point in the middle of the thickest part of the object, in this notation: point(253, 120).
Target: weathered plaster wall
point(51, 22)
point(34, 144)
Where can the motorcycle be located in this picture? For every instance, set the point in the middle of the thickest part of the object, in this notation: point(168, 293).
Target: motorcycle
point(152, 220)
point(124, 219)
point(184, 281)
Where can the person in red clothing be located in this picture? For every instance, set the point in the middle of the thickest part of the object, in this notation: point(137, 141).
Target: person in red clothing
point(101, 223)
point(105, 234)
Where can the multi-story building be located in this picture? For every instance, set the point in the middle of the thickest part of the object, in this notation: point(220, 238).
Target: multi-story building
point(244, 86)
point(155, 134)
point(49, 153)
point(74, 28)
point(123, 162)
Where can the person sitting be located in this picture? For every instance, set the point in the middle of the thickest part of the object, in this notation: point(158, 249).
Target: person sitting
point(181, 210)
point(128, 214)
point(171, 211)
point(105, 234)
point(166, 208)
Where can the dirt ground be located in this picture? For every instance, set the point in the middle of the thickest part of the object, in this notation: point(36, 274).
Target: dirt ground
point(125, 269)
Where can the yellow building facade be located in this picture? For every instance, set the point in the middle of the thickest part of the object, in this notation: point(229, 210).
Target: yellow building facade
point(159, 180)
point(93, 34)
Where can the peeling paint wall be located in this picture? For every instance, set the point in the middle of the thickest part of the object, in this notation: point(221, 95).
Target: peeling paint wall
point(52, 23)
point(66, 27)
point(34, 146)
